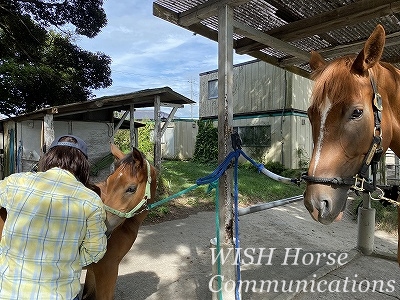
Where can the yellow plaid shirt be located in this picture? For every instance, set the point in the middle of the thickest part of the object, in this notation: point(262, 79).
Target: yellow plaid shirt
point(54, 227)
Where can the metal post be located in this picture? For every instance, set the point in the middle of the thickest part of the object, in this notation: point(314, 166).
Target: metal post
point(366, 226)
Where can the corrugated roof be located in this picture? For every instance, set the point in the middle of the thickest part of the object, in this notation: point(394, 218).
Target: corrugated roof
point(108, 104)
point(284, 32)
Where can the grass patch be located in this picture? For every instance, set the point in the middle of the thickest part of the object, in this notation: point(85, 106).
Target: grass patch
point(176, 176)
point(254, 187)
point(385, 215)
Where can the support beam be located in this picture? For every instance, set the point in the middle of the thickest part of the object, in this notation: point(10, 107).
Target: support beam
point(157, 132)
point(225, 127)
point(121, 121)
point(348, 15)
point(169, 119)
point(269, 40)
point(205, 10)
point(132, 134)
point(47, 132)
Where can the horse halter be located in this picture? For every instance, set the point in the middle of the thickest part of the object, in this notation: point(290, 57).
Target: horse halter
point(360, 182)
point(141, 206)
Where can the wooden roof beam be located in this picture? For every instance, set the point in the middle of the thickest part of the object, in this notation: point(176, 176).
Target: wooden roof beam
point(338, 18)
point(341, 50)
point(269, 40)
point(205, 10)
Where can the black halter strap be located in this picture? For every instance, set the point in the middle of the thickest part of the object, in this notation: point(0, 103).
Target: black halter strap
point(360, 181)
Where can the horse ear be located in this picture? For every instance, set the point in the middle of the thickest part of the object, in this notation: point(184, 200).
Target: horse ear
point(116, 151)
point(137, 156)
point(316, 61)
point(372, 52)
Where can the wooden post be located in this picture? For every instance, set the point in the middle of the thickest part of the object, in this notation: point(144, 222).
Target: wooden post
point(225, 129)
point(48, 132)
point(132, 127)
point(157, 132)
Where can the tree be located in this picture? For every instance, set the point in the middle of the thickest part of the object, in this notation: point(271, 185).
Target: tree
point(39, 64)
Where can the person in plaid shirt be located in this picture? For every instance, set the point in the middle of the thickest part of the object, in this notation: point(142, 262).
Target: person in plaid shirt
point(55, 225)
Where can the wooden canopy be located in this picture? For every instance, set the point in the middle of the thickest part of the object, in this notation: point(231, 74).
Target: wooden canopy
point(102, 109)
point(284, 32)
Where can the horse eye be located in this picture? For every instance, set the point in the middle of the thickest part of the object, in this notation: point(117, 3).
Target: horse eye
point(357, 113)
point(131, 189)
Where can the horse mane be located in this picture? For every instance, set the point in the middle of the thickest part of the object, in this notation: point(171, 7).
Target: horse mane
point(327, 84)
point(338, 83)
point(392, 69)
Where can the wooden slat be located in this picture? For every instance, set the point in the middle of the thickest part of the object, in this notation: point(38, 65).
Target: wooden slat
point(205, 10)
point(344, 16)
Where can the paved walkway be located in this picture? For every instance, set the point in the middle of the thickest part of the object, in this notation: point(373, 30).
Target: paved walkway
point(172, 260)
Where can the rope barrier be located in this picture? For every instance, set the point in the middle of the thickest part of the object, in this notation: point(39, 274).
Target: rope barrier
point(212, 181)
point(213, 178)
point(158, 203)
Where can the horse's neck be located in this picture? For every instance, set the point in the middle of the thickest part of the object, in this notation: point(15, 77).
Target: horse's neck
point(102, 186)
point(389, 85)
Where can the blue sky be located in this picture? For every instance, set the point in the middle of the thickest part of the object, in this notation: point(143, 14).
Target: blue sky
point(148, 52)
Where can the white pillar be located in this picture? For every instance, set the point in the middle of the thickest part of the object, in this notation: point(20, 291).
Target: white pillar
point(366, 226)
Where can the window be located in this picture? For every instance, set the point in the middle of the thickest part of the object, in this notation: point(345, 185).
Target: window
point(213, 89)
point(255, 136)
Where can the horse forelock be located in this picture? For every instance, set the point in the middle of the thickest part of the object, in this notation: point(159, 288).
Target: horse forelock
point(334, 82)
point(128, 161)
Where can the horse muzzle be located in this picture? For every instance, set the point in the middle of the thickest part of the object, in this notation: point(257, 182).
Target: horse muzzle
point(325, 204)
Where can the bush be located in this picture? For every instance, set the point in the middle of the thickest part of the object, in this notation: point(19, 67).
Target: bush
point(206, 147)
point(275, 167)
point(122, 139)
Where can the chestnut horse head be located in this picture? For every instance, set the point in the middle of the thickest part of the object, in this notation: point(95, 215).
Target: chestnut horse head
point(127, 191)
point(125, 194)
point(349, 126)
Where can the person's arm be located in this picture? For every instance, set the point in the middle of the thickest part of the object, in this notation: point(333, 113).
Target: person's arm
point(94, 245)
point(3, 198)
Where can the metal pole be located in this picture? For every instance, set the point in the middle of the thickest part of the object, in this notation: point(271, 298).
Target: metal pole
point(264, 206)
point(366, 226)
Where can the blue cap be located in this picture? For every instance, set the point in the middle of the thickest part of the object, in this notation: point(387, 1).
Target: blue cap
point(80, 144)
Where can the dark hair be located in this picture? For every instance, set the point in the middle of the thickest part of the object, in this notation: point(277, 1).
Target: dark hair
point(67, 158)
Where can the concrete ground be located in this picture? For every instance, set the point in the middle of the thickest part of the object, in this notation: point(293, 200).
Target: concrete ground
point(172, 260)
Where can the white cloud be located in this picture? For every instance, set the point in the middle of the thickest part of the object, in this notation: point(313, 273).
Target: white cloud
point(148, 52)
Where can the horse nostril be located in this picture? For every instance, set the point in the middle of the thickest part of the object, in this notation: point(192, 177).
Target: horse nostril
point(324, 208)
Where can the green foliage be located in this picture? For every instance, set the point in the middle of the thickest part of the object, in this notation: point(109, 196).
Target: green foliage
point(275, 167)
point(40, 67)
point(385, 216)
point(144, 140)
point(304, 158)
point(122, 139)
point(206, 147)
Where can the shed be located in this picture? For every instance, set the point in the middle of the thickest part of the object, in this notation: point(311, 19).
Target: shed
point(25, 137)
point(269, 111)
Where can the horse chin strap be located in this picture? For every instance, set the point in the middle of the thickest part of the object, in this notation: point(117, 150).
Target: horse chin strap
point(360, 182)
point(141, 206)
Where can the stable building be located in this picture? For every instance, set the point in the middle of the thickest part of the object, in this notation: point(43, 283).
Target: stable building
point(269, 111)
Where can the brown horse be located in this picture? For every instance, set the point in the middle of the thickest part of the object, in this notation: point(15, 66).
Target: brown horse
point(125, 194)
point(127, 189)
point(349, 126)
